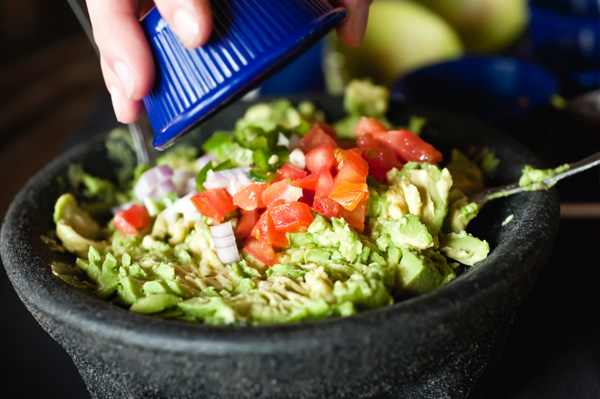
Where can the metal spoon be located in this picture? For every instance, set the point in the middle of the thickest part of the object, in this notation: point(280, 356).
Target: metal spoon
point(487, 194)
point(138, 130)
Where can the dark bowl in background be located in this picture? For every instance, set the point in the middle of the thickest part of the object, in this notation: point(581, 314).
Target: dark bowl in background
point(442, 344)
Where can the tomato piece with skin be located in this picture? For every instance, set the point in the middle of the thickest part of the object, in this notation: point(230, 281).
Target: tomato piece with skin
point(321, 202)
point(246, 222)
point(265, 231)
point(348, 194)
point(380, 157)
point(368, 125)
point(320, 159)
point(214, 203)
point(289, 171)
point(281, 191)
point(291, 217)
point(408, 146)
point(326, 206)
point(309, 182)
point(356, 217)
point(261, 251)
point(250, 197)
point(315, 137)
point(132, 219)
point(351, 160)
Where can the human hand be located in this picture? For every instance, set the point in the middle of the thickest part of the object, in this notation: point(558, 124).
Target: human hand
point(125, 57)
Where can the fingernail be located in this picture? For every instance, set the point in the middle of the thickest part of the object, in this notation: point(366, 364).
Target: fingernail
point(361, 16)
point(115, 96)
point(125, 78)
point(186, 27)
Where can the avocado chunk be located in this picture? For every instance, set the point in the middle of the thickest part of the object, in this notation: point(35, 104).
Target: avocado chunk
point(417, 274)
point(75, 227)
point(420, 189)
point(464, 247)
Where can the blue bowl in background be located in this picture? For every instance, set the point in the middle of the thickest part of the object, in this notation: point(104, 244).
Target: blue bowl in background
point(566, 38)
point(497, 89)
point(250, 42)
point(579, 7)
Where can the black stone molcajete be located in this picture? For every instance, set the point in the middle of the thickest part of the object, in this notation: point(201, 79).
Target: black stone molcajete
point(440, 345)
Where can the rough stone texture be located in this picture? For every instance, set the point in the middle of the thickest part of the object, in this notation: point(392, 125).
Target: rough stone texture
point(443, 344)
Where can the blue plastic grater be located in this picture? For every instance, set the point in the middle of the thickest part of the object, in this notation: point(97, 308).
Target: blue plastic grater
point(251, 40)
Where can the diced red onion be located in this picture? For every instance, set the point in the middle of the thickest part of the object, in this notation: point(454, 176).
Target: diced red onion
point(230, 179)
point(150, 179)
point(162, 188)
point(184, 181)
point(206, 158)
point(225, 245)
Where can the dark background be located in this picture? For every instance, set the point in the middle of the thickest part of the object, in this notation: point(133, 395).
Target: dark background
point(52, 94)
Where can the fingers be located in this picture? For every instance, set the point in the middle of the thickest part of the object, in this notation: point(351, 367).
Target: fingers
point(126, 60)
point(191, 20)
point(352, 30)
point(126, 110)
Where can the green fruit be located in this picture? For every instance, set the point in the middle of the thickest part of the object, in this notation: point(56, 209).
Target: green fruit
point(401, 36)
point(485, 26)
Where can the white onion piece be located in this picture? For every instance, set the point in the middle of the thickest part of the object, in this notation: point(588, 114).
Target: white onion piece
point(230, 179)
point(206, 158)
point(150, 179)
point(227, 250)
point(182, 206)
point(294, 141)
point(297, 158)
point(224, 242)
point(221, 230)
point(282, 140)
point(228, 255)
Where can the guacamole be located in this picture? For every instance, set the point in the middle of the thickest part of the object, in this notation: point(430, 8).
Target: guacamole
point(278, 220)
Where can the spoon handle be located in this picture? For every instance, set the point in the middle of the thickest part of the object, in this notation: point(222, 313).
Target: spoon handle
point(487, 194)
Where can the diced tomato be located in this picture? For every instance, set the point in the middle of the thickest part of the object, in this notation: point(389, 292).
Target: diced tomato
point(291, 217)
point(289, 171)
point(326, 206)
point(250, 197)
point(348, 194)
point(246, 223)
point(281, 191)
point(368, 125)
point(309, 182)
point(132, 219)
point(315, 137)
point(351, 158)
point(346, 144)
point(408, 146)
point(265, 231)
point(320, 158)
point(215, 203)
point(261, 251)
point(380, 157)
point(330, 130)
point(356, 217)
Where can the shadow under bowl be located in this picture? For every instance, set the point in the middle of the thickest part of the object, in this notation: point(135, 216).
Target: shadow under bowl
point(441, 344)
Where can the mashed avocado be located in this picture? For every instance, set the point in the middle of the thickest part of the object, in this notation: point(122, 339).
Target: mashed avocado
point(345, 246)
